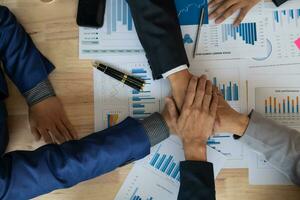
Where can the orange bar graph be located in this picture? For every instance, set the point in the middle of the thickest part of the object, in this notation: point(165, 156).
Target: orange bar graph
point(283, 105)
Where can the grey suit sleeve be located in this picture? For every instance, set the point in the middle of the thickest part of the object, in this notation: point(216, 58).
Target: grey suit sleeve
point(279, 144)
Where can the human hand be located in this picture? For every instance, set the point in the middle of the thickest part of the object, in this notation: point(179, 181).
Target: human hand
point(49, 121)
point(228, 120)
point(195, 123)
point(222, 9)
point(179, 82)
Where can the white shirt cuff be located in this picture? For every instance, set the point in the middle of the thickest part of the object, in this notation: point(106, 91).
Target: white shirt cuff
point(175, 70)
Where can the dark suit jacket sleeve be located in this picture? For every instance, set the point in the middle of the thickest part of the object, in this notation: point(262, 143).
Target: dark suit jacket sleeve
point(22, 61)
point(159, 32)
point(196, 181)
point(27, 174)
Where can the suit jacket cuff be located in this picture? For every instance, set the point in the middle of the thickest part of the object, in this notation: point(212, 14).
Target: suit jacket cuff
point(175, 70)
point(156, 128)
point(196, 180)
point(40, 92)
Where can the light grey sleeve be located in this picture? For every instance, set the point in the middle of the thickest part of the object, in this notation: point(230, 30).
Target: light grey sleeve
point(156, 128)
point(279, 144)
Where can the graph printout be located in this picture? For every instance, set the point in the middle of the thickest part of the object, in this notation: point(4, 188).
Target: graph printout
point(226, 41)
point(283, 29)
point(279, 104)
point(157, 176)
point(114, 101)
point(275, 96)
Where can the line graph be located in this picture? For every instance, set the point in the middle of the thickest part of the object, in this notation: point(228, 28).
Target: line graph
point(188, 11)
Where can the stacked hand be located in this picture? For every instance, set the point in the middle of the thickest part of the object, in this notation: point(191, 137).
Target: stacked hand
point(49, 121)
point(228, 120)
point(222, 9)
point(195, 123)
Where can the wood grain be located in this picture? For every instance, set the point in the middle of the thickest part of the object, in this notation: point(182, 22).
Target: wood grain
point(53, 28)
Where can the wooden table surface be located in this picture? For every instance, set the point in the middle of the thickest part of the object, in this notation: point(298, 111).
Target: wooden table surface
point(52, 26)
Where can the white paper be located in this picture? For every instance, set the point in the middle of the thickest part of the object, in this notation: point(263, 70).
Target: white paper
point(224, 41)
point(157, 176)
point(276, 96)
point(262, 173)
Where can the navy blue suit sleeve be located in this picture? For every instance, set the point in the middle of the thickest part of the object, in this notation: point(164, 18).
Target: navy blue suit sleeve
point(158, 28)
point(27, 174)
point(196, 181)
point(22, 61)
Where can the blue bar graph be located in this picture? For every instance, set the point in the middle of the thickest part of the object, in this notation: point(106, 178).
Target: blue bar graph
point(135, 196)
point(288, 16)
point(166, 164)
point(246, 31)
point(230, 89)
point(118, 12)
point(142, 101)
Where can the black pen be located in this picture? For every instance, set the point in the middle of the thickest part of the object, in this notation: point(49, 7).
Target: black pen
point(129, 80)
point(201, 20)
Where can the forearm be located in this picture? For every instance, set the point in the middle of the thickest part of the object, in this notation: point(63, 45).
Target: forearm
point(22, 61)
point(26, 174)
point(59, 166)
point(279, 144)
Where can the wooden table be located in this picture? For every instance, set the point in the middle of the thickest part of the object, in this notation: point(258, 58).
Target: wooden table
point(53, 28)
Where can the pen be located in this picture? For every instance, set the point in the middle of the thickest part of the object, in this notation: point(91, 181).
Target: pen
point(129, 80)
point(198, 31)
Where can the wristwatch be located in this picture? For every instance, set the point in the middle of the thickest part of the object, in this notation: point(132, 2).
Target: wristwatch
point(279, 2)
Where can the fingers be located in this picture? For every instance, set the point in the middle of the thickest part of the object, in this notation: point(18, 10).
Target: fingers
point(35, 133)
point(213, 3)
point(214, 103)
point(190, 93)
point(71, 130)
point(221, 9)
point(241, 16)
point(47, 137)
point(57, 136)
point(228, 13)
point(64, 131)
point(200, 91)
point(207, 96)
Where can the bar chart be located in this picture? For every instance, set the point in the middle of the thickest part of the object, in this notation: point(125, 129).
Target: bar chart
point(143, 103)
point(227, 79)
point(225, 41)
point(284, 18)
point(279, 104)
point(229, 89)
point(118, 14)
point(283, 105)
point(112, 119)
point(157, 175)
point(166, 164)
point(135, 196)
point(246, 31)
